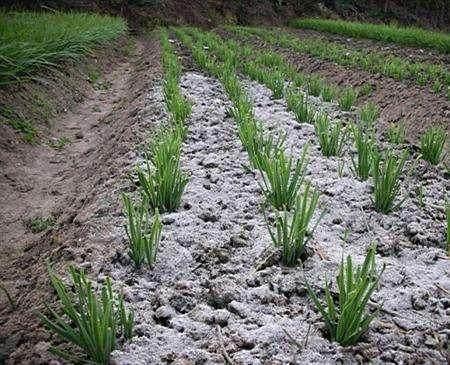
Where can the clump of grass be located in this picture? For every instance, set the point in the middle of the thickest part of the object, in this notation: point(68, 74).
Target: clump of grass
point(90, 322)
point(347, 320)
point(291, 230)
point(331, 138)
point(365, 146)
point(396, 133)
point(179, 107)
point(298, 104)
point(368, 114)
point(41, 224)
point(59, 143)
point(165, 182)
point(347, 99)
point(432, 144)
point(386, 174)
point(32, 40)
point(282, 179)
point(143, 238)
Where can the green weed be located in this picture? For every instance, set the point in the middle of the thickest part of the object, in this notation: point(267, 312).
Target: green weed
point(32, 40)
point(41, 224)
point(396, 133)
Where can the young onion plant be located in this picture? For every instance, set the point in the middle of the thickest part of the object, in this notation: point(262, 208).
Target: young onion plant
point(365, 145)
point(331, 138)
point(396, 133)
point(282, 178)
point(164, 182)
point(291, 233)
point(368, 115)
point(88, 321)
point(143, 238)
point(386, 172)
point(347, 319)
point(432, 144)
point(347, 99)
point(298, 104)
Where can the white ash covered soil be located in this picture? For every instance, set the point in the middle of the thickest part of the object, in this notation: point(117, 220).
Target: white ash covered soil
point(218, 291)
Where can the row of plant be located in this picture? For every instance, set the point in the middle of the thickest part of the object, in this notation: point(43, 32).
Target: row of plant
point(273, 70)
point(294, 201)
point(408, 36)
point(92, 322)
point(435, 76)
point(31, 40)
point(385, 168)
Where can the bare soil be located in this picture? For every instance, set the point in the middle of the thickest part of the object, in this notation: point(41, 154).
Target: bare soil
point(416, 106)
point(77, 185)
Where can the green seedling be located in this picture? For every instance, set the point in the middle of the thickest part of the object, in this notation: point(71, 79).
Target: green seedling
point(347, 99)
point(331, 138)
point(298, 104)
point(88, 321)
point(368, 115)
point(291, 233)
point(143, 238)
point(41, 224)
point(347, 319)
point(396, 133)
point(386, 174)
point(432, 144)
point(365, 145)
point(282, 179)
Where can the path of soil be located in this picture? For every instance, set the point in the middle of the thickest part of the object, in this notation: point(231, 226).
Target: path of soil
point(416, 106)
point(78, 185)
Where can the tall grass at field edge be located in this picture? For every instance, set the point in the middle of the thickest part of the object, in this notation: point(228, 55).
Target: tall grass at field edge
point(407, 36)
point(32, 40)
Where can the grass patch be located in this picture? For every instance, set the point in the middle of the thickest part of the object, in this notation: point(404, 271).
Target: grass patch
point(386, 174)
point(40, 224)
point(59, 143)
point(432, 144)
point(291, 230)
point(30, 40)
point(347, 319)
point(89, 321)
point(407, 36)
point(369, 114)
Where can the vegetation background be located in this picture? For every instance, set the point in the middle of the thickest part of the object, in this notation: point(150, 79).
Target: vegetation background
point(425, 13)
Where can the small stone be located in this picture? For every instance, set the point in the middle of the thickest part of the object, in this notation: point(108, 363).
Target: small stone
point(238, 308)
point(79, 135)
point(221, 317)
point(209, 161)
point(165, 313)
point(208, 216)
point(237, 241)
point(166, 220)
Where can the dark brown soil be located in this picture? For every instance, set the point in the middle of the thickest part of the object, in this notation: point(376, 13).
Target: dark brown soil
point(410, 53)
point(398, 101)
point(73, 185)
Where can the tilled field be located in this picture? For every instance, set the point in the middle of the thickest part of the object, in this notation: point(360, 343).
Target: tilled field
point(218, 291)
